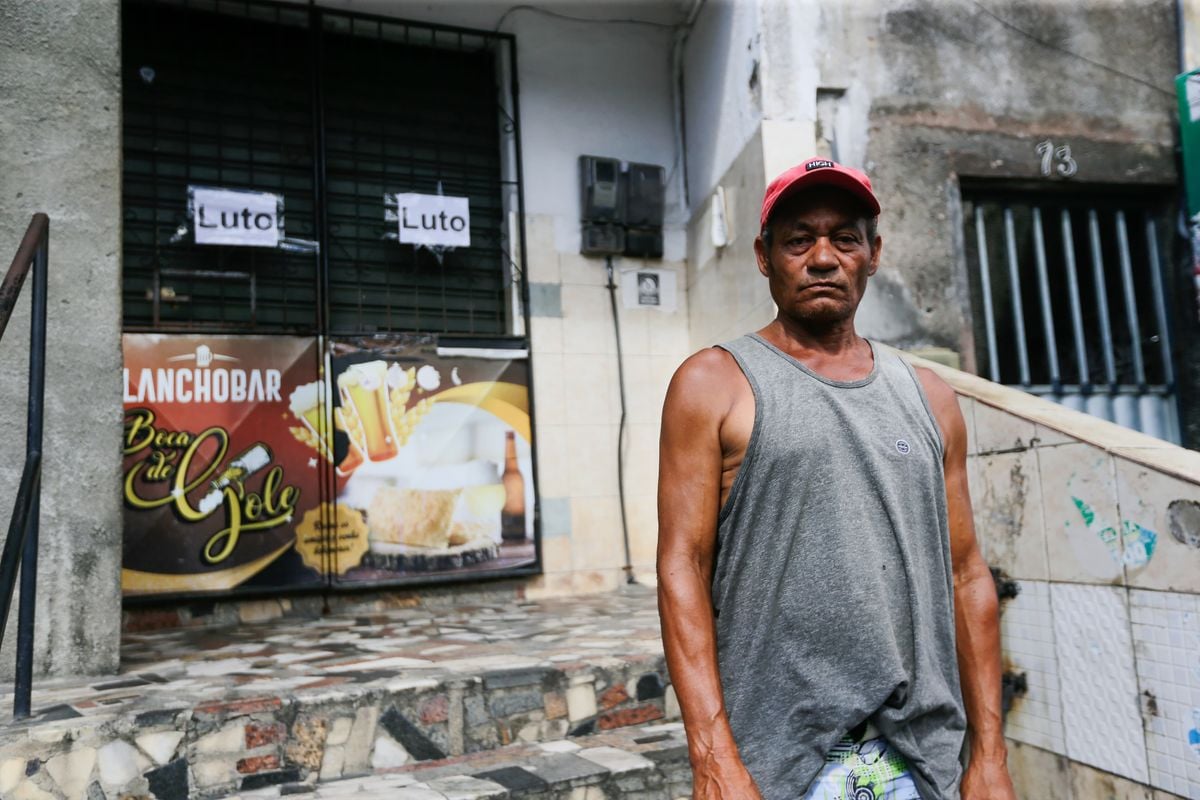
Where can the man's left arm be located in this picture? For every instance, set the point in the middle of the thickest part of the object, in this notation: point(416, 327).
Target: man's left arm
point(976, 611)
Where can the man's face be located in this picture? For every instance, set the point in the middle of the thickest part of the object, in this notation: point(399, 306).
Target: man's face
point(819, 257)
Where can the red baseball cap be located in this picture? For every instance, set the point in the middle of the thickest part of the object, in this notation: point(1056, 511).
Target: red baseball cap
point(818, 172)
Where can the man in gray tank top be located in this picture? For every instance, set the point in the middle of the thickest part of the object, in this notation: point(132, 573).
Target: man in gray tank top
point(830, 627)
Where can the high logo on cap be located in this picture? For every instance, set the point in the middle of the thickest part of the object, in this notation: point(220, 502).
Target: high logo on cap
point(818, 164)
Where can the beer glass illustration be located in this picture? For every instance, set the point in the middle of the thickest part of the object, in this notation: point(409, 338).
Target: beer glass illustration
point(363, 389)
point(347, 421)
point(305, 405)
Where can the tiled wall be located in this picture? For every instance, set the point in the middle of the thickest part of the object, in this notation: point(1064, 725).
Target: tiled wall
point(1100, 528)
point(577, 409)
point(1166, 637)
point(1027, 629)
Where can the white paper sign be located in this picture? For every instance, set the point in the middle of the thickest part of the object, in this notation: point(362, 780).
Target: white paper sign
point(434, 219)
point(231, 216)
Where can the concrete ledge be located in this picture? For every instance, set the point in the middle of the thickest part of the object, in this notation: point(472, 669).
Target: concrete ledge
point(1131, 444)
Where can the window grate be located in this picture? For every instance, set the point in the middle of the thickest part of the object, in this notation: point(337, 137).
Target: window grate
point(192, 117)
point(227, 93)
point(1069, 296)
point(421, 131)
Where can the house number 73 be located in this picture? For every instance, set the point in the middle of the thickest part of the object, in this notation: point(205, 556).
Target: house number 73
point(1066, 166)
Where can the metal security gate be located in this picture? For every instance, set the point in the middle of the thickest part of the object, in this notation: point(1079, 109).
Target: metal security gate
point(337, 112)
point(316, 397)
point(1070, 301)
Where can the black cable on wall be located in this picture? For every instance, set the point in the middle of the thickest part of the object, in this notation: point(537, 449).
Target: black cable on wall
point(612, 296)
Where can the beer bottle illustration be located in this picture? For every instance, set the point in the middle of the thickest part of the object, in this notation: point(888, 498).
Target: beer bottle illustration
point(512, 516)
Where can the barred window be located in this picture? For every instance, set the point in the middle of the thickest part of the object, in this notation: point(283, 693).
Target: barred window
point(334, 112)
point(1069, 292)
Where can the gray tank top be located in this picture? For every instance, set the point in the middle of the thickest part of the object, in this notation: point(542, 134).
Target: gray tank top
point(832, 585)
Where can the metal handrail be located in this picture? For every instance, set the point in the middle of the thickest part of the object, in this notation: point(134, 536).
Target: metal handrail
point(21, 546)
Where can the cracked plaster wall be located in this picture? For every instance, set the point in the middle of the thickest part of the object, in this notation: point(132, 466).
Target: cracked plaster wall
point(923, 94)
point(60, 153)
point(955, 93)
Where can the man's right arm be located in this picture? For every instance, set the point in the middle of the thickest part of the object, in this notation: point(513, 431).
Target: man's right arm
point(689, 498)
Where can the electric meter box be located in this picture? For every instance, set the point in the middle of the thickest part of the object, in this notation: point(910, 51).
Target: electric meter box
point(601, 198)
point(621, 207)
point(602, 239)
point(644, 242)
point(645, 195)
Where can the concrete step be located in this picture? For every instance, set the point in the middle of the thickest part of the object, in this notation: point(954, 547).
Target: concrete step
point(648, 763)
point(203, 713)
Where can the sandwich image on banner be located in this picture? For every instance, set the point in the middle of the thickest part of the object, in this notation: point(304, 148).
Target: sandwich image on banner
point(433, 449)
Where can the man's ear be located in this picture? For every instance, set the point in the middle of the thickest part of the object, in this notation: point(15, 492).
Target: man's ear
point(876, 249)
point(762, 256)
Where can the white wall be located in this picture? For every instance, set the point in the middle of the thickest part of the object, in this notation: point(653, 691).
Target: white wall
point(593, 89)
point(722, 90)
point(598, 87)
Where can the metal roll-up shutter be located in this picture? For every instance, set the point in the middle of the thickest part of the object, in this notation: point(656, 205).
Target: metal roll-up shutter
point(220, 100)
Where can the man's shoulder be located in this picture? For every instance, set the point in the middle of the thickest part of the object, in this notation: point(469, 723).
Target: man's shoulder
point(943, 402)
point(939, 393)
point(706, 382)
point(708, 365)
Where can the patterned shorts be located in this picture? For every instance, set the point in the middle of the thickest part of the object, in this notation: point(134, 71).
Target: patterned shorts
point(863, 767)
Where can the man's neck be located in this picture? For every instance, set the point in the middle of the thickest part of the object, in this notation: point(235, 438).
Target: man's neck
point(836, 352)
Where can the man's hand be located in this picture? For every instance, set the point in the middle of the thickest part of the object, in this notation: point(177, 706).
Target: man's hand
point(976, 610)
point(689, 499)
point(987, 779)
point(722, 776)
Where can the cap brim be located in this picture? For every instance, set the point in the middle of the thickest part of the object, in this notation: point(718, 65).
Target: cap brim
point(829, 177)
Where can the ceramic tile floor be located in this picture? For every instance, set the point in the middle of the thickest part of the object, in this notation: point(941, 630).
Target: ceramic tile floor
point(180, 668)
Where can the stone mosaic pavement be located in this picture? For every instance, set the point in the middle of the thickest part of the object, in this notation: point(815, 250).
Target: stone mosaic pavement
point(209, 712)
point(646, 763)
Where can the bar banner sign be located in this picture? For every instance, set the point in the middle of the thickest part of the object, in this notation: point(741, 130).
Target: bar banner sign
point(222, 456)
point(268, 463)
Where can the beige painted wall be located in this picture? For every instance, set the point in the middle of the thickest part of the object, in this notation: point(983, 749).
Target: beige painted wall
point(726, 295)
